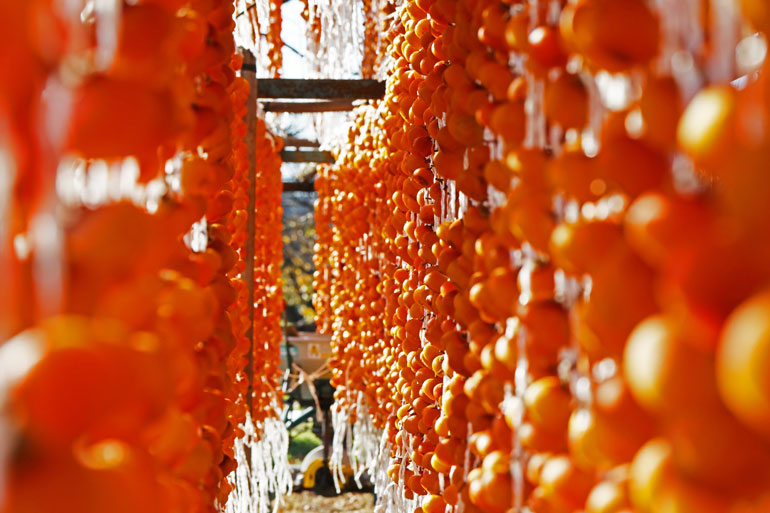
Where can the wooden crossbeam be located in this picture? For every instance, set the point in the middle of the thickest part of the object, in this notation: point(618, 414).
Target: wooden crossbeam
point(325, 157)
point(300, 143)
point(298, 187)
point(322, 106)
point(318, 89)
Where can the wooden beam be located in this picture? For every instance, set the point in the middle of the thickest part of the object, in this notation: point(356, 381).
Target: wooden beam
point(300, 143)
point(320, 89)
point(249, 250)
point(298, 187)
point(322, 106)
point(325, 157)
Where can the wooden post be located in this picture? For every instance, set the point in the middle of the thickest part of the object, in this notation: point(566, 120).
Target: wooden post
point(249, 73)
point(322, 106)
point(320, 89)
point(325, 157)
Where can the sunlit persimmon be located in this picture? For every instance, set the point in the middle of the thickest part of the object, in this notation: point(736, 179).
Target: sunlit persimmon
point(58, 401)
point(654, 221)
point(564, 483)
point(140, 119)
point(609, 496)
point(741, 360)
point(661, 106)
point(658, 366)
point(548, 404)
point(566, 101)
point(706, 129)
point(614, 35)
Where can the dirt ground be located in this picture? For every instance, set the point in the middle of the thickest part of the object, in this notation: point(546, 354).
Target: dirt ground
point(308, 502)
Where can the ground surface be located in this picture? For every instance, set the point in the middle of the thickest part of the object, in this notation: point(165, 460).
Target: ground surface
point(308, 502)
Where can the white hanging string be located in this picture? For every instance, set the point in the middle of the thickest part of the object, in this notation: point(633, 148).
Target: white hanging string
point(266, 473)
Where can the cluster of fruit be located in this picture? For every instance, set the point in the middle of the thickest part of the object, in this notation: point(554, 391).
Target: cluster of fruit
point(268, 291)
point(539, 263)
point(371, 40)
point(313, 25)
point(274, 40)
point(127, 346)
point(231, 230)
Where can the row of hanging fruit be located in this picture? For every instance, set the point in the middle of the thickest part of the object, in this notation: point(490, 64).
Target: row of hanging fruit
point(541, 259)
point(124, 312)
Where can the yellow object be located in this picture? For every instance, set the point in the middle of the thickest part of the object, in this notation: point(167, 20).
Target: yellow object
point(308, 479)
point(706, 127)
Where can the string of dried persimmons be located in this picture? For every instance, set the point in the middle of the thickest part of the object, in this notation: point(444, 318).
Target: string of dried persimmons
point(539, 263)
point(124, 318)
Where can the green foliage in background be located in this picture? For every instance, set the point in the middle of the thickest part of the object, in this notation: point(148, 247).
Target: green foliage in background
point(297, 269)
point(302, 441)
